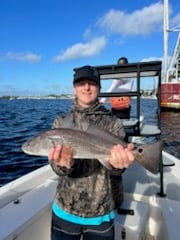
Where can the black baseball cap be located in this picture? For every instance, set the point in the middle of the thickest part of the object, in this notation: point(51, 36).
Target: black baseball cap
point(87, 72)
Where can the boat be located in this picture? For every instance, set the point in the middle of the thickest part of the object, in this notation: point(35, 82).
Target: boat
point(25, 205)
point(170, 86)
point(151, 206)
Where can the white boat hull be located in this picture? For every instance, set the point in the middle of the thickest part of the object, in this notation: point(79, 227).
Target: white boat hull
point(25, 205)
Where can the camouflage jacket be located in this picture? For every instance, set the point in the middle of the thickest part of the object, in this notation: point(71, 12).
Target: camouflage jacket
point(88, 189)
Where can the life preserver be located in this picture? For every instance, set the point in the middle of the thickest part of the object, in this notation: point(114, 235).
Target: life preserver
point(120, 102)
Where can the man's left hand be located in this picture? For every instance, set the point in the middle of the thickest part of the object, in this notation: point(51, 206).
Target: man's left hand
point(121, 157)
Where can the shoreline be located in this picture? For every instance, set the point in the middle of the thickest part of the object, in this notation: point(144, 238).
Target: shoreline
point(59, 97)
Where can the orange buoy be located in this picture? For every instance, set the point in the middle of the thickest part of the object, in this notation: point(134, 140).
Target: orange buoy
point(120, 102)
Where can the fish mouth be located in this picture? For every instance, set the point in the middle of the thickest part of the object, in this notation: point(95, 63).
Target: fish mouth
point(24, 148)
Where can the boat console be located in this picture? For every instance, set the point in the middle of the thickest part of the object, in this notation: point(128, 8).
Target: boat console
point(140, 72)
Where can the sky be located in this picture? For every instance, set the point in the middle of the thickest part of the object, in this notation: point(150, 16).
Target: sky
point(42, 41)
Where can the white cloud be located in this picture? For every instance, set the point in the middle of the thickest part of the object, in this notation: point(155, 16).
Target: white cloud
point(174, 23)
point(21, 56)
point(82, 50)
point(140, 22)
point(169, 58)
point(151, 59)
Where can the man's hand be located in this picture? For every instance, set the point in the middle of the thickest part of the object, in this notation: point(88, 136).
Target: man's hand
point(62, 156)
point(121, 157)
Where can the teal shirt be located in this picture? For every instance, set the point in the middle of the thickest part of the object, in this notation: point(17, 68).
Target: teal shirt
point(81, 220)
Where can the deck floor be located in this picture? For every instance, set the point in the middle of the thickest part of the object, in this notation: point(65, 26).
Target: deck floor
point(137, 180)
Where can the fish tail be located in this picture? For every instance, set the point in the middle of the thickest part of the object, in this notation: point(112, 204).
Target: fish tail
point(149, 155)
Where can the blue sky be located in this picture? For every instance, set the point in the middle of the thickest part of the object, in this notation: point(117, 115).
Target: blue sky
point(43, 40)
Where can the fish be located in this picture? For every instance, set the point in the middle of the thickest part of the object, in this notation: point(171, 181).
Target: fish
point(92, 143)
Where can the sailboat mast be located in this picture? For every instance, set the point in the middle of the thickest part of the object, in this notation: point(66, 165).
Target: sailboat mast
point(165, 28)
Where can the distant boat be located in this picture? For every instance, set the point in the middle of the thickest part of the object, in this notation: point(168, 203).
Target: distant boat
point(170, 95)
point(170, 86)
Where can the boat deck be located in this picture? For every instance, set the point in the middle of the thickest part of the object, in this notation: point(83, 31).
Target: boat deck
point(137, 180)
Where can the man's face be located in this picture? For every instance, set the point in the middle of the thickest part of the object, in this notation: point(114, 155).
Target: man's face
point(86, 92)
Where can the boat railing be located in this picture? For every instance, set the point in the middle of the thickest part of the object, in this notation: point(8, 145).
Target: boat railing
point(173, 72)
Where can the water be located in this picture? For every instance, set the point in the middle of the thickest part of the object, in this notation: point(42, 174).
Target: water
point(21, 119)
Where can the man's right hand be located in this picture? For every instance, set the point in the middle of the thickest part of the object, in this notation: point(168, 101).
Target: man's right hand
point(61, 156)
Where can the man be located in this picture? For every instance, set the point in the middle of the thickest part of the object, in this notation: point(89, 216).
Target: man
point(87, 192)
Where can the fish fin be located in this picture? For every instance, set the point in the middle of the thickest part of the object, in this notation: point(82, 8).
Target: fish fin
point(95, 130)
point(105, 163)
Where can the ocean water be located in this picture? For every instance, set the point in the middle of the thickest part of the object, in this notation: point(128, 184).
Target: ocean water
point(21, 119)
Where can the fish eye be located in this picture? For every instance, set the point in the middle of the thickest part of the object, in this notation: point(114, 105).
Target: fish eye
point(140, 150)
